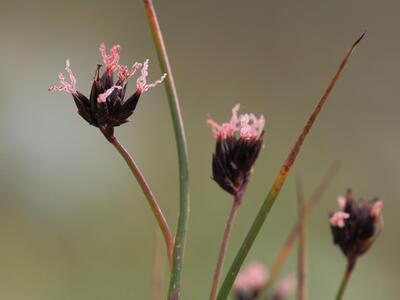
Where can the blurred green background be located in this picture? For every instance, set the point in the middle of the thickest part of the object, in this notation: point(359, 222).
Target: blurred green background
point(73, 223)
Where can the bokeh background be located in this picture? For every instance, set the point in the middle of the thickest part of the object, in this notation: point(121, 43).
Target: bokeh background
point(73, 223)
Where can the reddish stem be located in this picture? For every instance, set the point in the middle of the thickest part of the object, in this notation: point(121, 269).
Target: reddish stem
point(294, 233)
point(155, 207)
point(302, 254)
point(224, 245)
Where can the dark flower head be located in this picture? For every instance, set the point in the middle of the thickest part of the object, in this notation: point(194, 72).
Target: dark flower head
point(238, 144)
point(106, 106)
point(356, 226)
point(252, 279)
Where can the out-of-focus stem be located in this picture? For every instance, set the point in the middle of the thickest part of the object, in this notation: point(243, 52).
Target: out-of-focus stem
point(172, 95)
point(302, 255)
point(316, 196)
point(346, 277)
point(294, 233)
point(222, 251)
point(277, 185)
point(155, 207)
point(157, 284)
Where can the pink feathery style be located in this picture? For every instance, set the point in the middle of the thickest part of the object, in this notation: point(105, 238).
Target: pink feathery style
point(356, 226)
point(337, 219)
point(106, 108)
point(238, 144)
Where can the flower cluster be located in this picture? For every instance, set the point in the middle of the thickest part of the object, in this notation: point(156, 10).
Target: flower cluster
point(106, 108)
point(238, 144)
point(254, 277)
point(356, 226)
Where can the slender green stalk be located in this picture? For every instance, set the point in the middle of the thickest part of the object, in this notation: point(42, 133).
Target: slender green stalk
point(155, 207)
point(221, 256)
point(277, 185)
point(346, 277)
point(180, 238)
point(294, 233)
point(302, 254)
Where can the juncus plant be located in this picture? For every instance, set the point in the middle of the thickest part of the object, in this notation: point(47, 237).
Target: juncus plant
point(238, 143)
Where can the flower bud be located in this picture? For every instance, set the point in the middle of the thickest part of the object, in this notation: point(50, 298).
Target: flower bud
point(238, 144)
point(285, 288)
point(106, 108)
point(250, 281)
point(356, 226)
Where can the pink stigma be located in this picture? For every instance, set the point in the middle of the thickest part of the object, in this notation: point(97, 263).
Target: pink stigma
point(376, 209)
point(337, 219)
point(125, 74)
point(341, 202)
point(103, 97)
point(69, 88)
point(141, 82)
point(253, 277)
point(110, 60)
point(247, 125)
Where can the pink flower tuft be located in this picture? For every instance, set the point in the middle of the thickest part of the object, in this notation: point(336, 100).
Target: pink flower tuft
point(247, 125)
point(110, 60)
point(376, 209)
point(252, 278)
point(337, 219)
point(286, 287)
point(125, 74)
point(341, 202)
point(357, 225)
point(69, 88)
point(141, 82)
point(103, 97)
point(110, 107)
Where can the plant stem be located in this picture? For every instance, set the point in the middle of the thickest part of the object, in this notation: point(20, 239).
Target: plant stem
point(294, 233)
point(349, 269)
point(162, 222)
point(172, 95)
point(222, 251)
point(302, 254)
point(277, 185)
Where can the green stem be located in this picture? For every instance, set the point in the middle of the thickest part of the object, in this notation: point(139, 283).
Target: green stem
point(224, 245)
point(155, 207)
point(180, 238)
point(346, 277)
point(277, 185)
